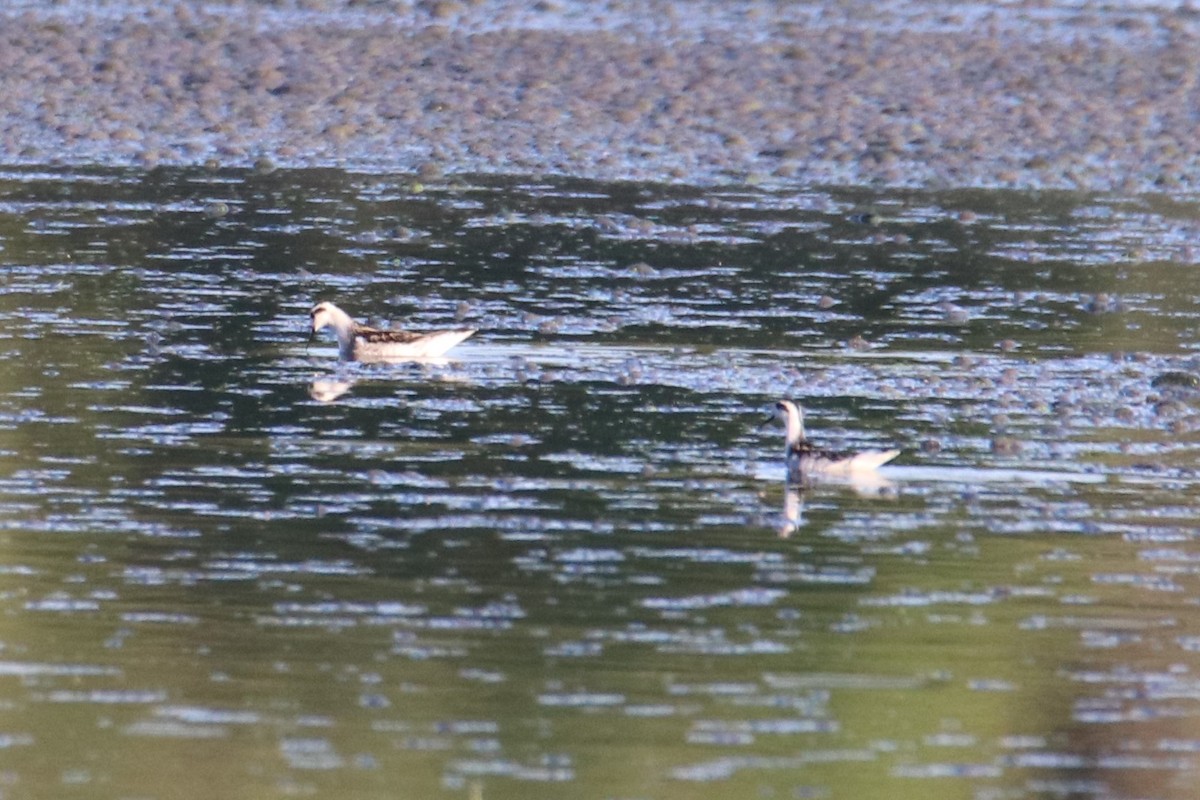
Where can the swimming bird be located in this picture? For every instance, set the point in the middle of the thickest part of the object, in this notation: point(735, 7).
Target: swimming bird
point(362, 343)
point(807, 463)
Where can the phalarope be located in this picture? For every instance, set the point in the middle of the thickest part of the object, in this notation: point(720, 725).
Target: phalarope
point(807, 463)
point(362, 343)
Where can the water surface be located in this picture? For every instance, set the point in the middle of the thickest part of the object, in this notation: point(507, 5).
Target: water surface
point(562, 563)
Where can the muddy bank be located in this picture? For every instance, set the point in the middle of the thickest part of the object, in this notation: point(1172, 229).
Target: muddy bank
point(921, 94)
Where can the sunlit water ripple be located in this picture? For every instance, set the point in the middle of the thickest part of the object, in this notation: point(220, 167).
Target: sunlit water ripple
point(563, 559)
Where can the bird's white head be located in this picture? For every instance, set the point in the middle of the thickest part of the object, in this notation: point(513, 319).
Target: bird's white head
point(324, 314)
point(790, 414)
point(328, 315)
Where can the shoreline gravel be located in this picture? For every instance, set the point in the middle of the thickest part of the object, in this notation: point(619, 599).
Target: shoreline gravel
point(922, 94)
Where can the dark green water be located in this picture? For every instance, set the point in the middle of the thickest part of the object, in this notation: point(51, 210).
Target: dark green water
point(563, 562)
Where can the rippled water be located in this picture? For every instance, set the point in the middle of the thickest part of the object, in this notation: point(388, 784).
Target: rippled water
point(563, 562)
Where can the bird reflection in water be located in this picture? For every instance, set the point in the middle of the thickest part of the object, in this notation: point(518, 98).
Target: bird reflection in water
point(328, 390)
point(791, 518)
